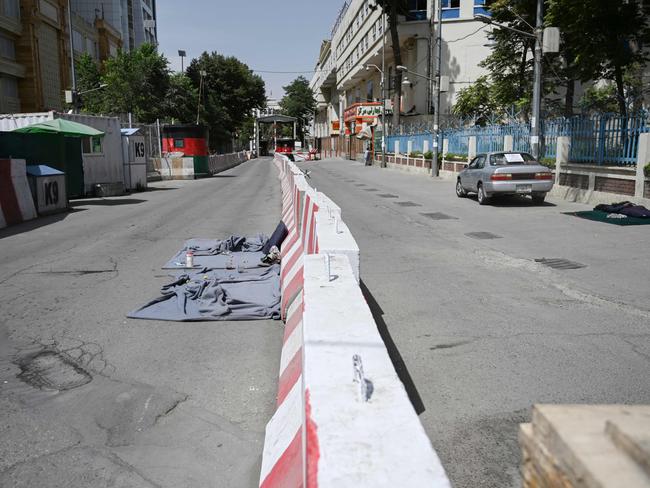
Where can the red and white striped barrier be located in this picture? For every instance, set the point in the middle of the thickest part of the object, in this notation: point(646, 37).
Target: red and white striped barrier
point(15, 196)
point(343, 417)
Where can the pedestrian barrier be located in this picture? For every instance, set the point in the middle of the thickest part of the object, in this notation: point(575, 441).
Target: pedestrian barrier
point(343, 417)
point(15, 196)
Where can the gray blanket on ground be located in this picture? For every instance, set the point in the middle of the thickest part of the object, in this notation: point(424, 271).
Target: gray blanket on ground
point(217, 294)
point(232, 253)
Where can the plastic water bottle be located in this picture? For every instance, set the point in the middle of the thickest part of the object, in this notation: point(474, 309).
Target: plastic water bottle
point(189, 259)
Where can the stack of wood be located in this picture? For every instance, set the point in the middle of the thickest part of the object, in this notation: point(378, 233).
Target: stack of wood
point(571, 446)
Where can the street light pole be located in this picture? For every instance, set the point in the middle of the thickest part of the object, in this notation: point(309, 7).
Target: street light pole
point(436, 123)
point(536, 122)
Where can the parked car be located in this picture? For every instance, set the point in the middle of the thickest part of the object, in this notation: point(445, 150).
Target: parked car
point(504, 173)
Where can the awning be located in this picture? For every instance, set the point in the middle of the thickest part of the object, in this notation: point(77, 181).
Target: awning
point(61, 126)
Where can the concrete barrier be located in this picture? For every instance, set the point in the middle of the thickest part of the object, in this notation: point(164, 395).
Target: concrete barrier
point(177, 167)
point(16, 200)
point(343, 417)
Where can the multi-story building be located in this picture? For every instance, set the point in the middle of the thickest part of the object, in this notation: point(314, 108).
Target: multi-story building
point(11, 71)
point(134, 19)
point(347, 80)
point(35, 46)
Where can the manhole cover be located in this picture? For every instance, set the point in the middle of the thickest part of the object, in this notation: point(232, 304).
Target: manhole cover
point(51, 371)
point(439, 216)
point(483, 235)
point(370, 189)
point(408, 204)
point(559, 263)
point(387, 195)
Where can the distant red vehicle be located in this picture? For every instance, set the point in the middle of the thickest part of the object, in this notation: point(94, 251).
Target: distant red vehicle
point(286, 146)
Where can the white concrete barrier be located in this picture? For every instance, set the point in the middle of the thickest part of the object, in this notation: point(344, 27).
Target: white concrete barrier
point(16, 202)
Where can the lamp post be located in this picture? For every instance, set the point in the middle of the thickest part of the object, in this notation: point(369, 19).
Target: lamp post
point(436, 123)
point(383, 113)
point(182, 54)
point(536, 133)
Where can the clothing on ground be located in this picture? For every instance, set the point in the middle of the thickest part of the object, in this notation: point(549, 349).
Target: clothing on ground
point(217, 294)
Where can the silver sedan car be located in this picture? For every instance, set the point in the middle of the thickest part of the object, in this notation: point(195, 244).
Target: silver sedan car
point(504, 173)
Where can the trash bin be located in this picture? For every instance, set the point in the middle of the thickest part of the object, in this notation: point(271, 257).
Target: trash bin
point(48, 189)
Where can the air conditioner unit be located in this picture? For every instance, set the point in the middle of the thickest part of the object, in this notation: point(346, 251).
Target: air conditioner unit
point(149, 24)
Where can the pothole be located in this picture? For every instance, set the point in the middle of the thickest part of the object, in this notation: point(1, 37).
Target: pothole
point(49, 370)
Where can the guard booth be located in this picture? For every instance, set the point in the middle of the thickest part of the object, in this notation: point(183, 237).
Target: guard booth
point(48, 189)
point(273, 133)
point(135, 160)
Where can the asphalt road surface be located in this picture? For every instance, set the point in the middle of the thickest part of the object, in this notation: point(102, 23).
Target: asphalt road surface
point(482, 329)
point(149, 404)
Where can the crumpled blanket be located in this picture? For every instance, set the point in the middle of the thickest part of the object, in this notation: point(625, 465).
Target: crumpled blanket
point(207, 247)
point(628, 209)
point(218, 294)
point(231, 253)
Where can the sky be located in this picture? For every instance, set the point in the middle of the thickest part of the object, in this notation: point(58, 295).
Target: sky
point(267, 35)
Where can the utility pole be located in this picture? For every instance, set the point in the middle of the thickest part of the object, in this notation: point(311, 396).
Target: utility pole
point(72, 67)
point(536, 122)
point(436, 123)
point(383, 88)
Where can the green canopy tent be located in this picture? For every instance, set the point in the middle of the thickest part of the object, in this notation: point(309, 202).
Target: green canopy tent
point(61, 126)
point(71, 133)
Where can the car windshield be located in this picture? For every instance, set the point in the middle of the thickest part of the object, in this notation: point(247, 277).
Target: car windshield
point(504, 159)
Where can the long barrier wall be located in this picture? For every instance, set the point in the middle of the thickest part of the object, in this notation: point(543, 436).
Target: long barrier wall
point(184, 168)
point(343, 417)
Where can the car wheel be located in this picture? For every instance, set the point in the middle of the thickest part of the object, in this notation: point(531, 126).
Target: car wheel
point(538, 198)
point(483, 199)
point(460, 191)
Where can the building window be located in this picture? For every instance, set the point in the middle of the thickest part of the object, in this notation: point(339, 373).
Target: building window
point(91, 145)
point(7, 48)
point(9, 87)
point(49, 10)
point(10, 8)
point(481, 7)
point(417, 10)
point(78, 41)
point(357, 97)
point(450, 9)
point(370, 95)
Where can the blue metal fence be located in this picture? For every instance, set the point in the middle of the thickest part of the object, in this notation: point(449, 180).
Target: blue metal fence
point(605, 139)
point(417, 141)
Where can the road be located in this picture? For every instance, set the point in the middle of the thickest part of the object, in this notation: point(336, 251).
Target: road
point(154, 404)
point(481, 329)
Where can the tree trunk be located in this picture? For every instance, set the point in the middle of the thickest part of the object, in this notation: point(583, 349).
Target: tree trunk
point(620, 89)
point(522, 76)
point(397, 56)
point(568, 99)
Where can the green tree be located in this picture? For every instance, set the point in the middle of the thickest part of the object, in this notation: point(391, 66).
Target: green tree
point(476, 101)
point(510, 64)
point(137, 83)
point(299, 102)
point(606, 38)
point(89, 78)
point(229, 94)
point(181, 100)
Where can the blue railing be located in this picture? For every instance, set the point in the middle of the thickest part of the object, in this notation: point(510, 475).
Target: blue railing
point(417, 141)
point(605, 139)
